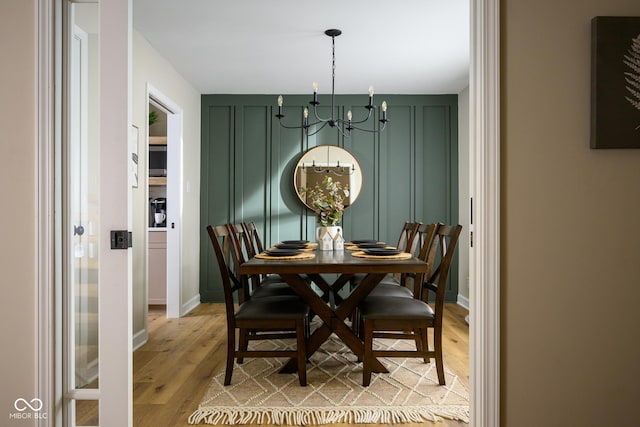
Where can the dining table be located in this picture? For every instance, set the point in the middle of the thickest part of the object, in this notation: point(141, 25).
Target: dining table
point(334, 300)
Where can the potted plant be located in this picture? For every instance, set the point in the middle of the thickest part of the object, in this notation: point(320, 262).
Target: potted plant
point(327, 201)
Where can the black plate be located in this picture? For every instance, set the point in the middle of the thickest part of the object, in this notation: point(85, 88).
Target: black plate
point(372, 245)
point(300, 242)
point(291, 245)
point(382, 251)
point(357, 242)
point(283, 252)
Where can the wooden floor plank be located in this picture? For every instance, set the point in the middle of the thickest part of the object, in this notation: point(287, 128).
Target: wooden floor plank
point(173, 370)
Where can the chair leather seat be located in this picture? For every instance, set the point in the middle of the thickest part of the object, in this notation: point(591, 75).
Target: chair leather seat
point(273, 289)
point(274, 285)
point(358, 277)
point(272, 308)
point(390, 289)
point(272, 278)
point(395, 308)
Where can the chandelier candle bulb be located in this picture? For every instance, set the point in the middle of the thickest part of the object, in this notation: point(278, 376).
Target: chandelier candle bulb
point(384, 110)
point(280, 105)
point(305, 115)
point(370, 96)
point(315, 92)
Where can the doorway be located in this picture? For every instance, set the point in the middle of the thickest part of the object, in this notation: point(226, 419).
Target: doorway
point(485, 260)
point(164, 200)
point(157, 207)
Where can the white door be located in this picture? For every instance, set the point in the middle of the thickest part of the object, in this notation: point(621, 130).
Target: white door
point(174, 214)
point(95, 198)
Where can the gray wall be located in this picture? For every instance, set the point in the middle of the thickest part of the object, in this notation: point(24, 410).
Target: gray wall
point(410, 170)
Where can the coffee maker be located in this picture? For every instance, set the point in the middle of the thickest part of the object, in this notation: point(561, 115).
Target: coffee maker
point(158, 212)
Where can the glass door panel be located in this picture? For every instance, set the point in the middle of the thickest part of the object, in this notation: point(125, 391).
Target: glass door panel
point(82, 222)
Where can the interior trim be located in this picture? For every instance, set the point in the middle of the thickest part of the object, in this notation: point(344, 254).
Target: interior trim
point(47, 328)
point(484, 106)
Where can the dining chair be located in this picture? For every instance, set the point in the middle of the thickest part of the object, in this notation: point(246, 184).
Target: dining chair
point(403, 285)
point(410, 318)
point(407, 242)
point(266, 285)
point(268, 318)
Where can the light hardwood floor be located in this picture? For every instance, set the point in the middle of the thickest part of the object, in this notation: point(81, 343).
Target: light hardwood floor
point(172, 371)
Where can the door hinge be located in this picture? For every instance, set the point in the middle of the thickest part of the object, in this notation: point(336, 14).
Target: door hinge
point(121, 239)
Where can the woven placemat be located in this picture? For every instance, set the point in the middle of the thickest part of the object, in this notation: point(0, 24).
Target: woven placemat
point(403, 255)
point(303, 255)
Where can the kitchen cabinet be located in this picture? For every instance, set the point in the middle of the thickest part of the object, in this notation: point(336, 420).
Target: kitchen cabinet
point(157, 267)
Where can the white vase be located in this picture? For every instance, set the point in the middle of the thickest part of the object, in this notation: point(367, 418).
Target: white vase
point(325, 235)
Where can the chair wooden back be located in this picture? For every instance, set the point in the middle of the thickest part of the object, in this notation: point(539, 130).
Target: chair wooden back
point(441, 250)
point(221, 240)
point(407, 241)
point(242, 251)
point(424, 240)
point(252, 239)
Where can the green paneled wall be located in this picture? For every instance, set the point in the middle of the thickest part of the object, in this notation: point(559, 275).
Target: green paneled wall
point(410, 170)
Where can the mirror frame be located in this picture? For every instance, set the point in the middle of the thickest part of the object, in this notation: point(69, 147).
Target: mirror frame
point(314, 154)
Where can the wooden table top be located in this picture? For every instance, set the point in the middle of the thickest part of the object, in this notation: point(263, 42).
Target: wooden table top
point(338, 262)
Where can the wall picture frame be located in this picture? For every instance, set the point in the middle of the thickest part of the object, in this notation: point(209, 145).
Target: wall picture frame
point(615, 82)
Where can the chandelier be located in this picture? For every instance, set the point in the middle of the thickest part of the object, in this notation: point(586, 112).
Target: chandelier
point(343, 126)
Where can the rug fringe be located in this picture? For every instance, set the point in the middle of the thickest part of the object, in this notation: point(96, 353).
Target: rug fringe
point(318, 416)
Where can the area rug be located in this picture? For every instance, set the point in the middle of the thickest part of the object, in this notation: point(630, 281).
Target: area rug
point(258, 394)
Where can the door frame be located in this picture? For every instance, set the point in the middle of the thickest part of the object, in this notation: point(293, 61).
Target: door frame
point(484, 255)
point(485, 189)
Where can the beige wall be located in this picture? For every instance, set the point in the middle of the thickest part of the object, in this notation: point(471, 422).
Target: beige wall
point(570, 237)
point(151, 68)
point(18, 214)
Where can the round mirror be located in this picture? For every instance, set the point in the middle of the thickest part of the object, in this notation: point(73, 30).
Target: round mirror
point(336, 162)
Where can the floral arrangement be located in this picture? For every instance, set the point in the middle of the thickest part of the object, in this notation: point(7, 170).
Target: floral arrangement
point(327, 201)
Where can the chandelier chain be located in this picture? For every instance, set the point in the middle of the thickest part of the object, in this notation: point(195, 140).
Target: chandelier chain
point(333, 75)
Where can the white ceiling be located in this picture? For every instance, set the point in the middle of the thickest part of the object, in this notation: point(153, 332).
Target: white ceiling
point(279, 46)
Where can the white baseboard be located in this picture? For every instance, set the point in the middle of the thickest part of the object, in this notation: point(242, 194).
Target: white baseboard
point(140, 338)
point(157, 301)
point(190, 305)
point(463, 301)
